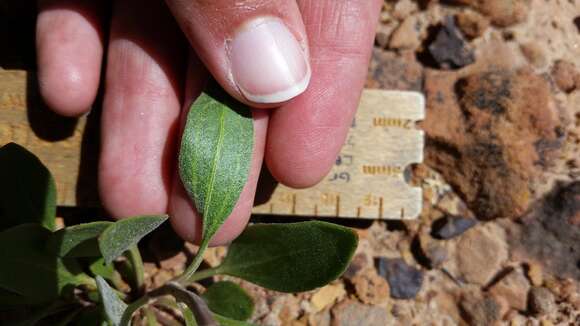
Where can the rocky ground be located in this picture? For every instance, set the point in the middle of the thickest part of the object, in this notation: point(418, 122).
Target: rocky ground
point(498, 241)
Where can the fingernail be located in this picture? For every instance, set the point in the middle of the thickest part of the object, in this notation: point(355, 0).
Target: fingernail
point(268, 64)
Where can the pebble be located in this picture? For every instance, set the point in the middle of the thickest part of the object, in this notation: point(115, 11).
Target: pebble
point(504, 124)
point(353, 313)
point(542, 301)
point(404, 281)
point(451, 226)
point(565, 75)
point(327, 295)
point(433, 251)
point(389, 70)
point(406, 36)
point(534, 53)
point(481, 253)
point(370, 287)
point(472, 24)
point(503, 13)
point(535, 273)
point(449, 48)
point(513, 288)
point(358, 263)
point(480, 311)
point(404, 8)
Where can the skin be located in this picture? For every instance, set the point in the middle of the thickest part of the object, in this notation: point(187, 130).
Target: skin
point(152, 75)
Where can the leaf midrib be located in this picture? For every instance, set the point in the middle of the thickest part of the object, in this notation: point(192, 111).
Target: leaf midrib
point(216, 156)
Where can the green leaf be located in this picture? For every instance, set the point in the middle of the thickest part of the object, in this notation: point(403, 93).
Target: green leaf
point(290, 257)
point(121, 235)
point(27, 269)
point(113, 306)
point(230, 300)
point(215, 156)
point(98, 267)
point(77, 240)
point(225, 321)
point(27, 192)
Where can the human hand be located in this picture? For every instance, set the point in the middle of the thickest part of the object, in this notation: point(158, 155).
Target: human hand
point(308, 58)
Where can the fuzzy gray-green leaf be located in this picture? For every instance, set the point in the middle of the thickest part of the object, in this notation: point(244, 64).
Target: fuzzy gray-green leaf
point(114, 307)
point(215, 156)
point(29, 270)
point(290, 257)
point(122, 235)
point(77, 240)
point(229, 300)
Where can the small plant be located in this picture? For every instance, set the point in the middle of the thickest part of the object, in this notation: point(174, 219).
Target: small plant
point(76, 276)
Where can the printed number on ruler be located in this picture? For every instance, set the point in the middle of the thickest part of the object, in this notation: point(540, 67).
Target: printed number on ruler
point(368, 179)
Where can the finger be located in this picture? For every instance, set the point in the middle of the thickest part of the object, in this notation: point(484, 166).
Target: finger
point(69, 44)
point(184, 216)
point(140, 109)
point(257, 50)
point(306, 134)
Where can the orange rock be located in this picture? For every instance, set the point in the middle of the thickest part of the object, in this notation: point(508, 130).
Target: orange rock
point(565, 75)
point(489, 134)
point(472, 24)
point(370, 287)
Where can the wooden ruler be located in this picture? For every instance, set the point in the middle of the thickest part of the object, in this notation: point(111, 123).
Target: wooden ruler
point(369, 179)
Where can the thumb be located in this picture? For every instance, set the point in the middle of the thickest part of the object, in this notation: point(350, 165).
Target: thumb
point(257, 50)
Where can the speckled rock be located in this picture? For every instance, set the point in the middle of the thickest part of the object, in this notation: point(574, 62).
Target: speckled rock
point(480, 311)
point(388, 70)
point(481, 253)
point(541, 301)
point(494, 139)
point(548, 234)
point(353, 313)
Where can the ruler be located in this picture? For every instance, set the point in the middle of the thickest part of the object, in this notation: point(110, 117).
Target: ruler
point(368, 180)
point(370, 176)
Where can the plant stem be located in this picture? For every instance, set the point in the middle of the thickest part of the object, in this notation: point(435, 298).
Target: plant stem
point(194, 302)
point(184, 278)
point(137, 263)
point(128, 313)
point(204, 274)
